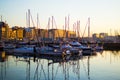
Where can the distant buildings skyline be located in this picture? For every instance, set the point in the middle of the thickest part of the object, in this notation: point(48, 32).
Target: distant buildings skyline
point(32, 33)
point(104, 14)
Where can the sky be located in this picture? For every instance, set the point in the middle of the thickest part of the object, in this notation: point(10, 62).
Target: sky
point(104, 14)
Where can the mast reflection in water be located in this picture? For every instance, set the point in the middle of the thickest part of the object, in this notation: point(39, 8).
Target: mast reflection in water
point(100, 66)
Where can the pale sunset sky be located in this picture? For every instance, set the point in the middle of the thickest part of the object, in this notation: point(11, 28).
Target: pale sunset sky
point(104, 14)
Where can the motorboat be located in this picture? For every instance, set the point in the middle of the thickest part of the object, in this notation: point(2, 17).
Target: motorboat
point(77, 45)
point(73, 50)
point(50, 50)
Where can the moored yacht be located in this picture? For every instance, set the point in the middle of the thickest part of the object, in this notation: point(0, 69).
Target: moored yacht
point(74, 51)
point(77, 45)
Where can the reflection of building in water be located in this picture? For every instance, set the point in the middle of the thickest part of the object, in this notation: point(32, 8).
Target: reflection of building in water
point(2, 56)
point(3, 65)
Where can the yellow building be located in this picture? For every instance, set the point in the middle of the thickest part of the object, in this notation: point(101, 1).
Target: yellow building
point(71, 34)
point(20, 33)
point(43, 33)
point(29, 33)
point(16, 33)
point(4, 31)
point(59, 33)
point(11, 34)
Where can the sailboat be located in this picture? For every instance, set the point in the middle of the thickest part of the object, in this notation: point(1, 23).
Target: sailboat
point(51, 49)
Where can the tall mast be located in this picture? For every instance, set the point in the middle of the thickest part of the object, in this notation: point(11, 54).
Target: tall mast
point(75, 28)
point(52, 22)
point(37, 20)
point(68, 23)
point(1, 18)
point(52, 29)
point(48, 26)
point(63, 32)
point(65, 23)
point(66, 26)
point(88, 27)
point(78, 28)
point(28, 17)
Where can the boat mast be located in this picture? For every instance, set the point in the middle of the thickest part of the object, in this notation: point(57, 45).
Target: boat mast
point(68, 26)
point(57, 36)
point(89, 27)
point(65, 27)
point(36, 31)
point(75, 28)
point(52, 29)
point(28, 17)
point(52, 22)
point(37, 20)
point(1, 18)
point(78, 29)
point(48, 27)
point(27, 36)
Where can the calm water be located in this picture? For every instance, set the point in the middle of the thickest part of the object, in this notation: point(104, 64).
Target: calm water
point(100, 66)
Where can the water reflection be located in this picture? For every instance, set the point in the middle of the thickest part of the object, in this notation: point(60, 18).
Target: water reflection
point(3, 65)
point(101, 65)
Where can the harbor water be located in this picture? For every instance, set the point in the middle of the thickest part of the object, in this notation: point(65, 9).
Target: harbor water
point(104, 65)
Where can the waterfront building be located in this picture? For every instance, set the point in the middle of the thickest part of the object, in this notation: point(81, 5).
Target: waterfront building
point(95, 36)
point(71, 34)
point(59, 33)
point(16, 33)
point(42, 33)
point(29, 33)
point(4, 31)
point(103, 35)
point(99, 37)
